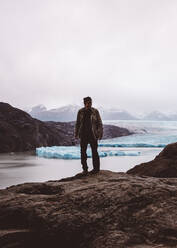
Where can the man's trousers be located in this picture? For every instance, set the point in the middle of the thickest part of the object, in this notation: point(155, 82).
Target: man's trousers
point(84, 141)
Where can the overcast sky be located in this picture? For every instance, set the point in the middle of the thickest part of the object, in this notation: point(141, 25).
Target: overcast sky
point(122, 53)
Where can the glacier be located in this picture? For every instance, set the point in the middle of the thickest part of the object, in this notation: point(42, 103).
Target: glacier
point(141, 141)
point(73, 152)
point(148, 136)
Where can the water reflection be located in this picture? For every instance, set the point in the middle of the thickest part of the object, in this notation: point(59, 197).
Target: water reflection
point(5, 165)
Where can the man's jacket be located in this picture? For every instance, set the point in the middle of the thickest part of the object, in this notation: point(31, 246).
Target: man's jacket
point(96, 122)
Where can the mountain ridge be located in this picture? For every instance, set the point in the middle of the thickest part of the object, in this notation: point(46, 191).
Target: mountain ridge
point(69, 113)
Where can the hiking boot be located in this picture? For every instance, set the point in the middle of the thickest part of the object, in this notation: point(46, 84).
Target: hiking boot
point(94, 171)
point(85, 172)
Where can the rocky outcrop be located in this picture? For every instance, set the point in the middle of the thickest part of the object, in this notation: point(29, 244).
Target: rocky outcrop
point(105, 210)
point(164, 165)
point(111, 131)
point(20, 132)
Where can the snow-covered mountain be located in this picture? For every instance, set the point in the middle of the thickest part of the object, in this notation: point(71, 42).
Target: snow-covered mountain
point(156, 116)
point(172, 116)
point(69, 113)
point(116, 114)
point(37, 109)
point(65, 113)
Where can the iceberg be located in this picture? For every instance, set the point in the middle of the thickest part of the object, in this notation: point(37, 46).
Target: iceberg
point(123, 153)
point(73, 152)
point(64, 152)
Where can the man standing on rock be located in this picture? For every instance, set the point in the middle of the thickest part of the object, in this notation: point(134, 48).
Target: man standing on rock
point(89, 129)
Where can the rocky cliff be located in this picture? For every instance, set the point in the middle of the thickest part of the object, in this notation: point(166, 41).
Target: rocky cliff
point(106, 210)
point(20, 132)
point(164, 165)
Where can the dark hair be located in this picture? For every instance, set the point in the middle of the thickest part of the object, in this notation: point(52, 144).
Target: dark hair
point(87, 99)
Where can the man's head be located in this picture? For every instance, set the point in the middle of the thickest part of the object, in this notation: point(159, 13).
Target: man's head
point(87, 102)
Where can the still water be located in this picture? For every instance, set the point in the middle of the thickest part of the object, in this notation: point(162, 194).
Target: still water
point(23, 167)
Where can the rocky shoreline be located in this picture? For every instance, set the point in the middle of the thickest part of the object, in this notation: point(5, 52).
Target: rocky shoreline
point(106, 210)
point(20, 132)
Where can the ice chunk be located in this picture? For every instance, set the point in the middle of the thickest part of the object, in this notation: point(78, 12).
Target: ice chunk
point(73, 152)
point(123, 153)
point(130, 145)
point(65, 152)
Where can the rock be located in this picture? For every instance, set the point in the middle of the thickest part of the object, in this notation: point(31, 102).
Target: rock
point(164, 165)
point(111, 131)
point(20, 132)
point(105, 210)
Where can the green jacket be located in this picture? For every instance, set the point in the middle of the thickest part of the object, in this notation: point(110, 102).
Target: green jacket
point(97, 126)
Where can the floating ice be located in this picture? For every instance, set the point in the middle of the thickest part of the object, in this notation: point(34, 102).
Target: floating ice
point(130, 145)
point(123, 153)
point(65, 152)
point(73, 152)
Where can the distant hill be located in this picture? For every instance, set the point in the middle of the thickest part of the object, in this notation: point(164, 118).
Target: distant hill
point(156, 116)
point(172, 116)
point(116, 114)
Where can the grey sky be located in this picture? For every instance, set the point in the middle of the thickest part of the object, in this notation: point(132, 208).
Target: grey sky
point(120, 52)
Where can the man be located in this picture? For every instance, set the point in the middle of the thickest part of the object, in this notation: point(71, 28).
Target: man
point(89, 129)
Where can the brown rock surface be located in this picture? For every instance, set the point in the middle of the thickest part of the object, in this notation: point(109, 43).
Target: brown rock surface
point(105, 210)
point(164, 165)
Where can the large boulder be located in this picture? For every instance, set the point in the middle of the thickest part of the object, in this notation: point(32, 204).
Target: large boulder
point(105, 210)
point(164, 165)
point(20, 132)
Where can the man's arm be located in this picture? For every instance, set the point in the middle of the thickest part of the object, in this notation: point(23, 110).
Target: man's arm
point(77, 125)
point(100, 126)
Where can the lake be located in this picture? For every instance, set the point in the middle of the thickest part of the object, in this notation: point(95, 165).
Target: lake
point(149, 139)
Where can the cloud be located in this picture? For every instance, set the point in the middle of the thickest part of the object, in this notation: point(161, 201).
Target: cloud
point(122, 53)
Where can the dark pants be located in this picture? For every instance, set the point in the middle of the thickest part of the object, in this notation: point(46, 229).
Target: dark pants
point(84, 141)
